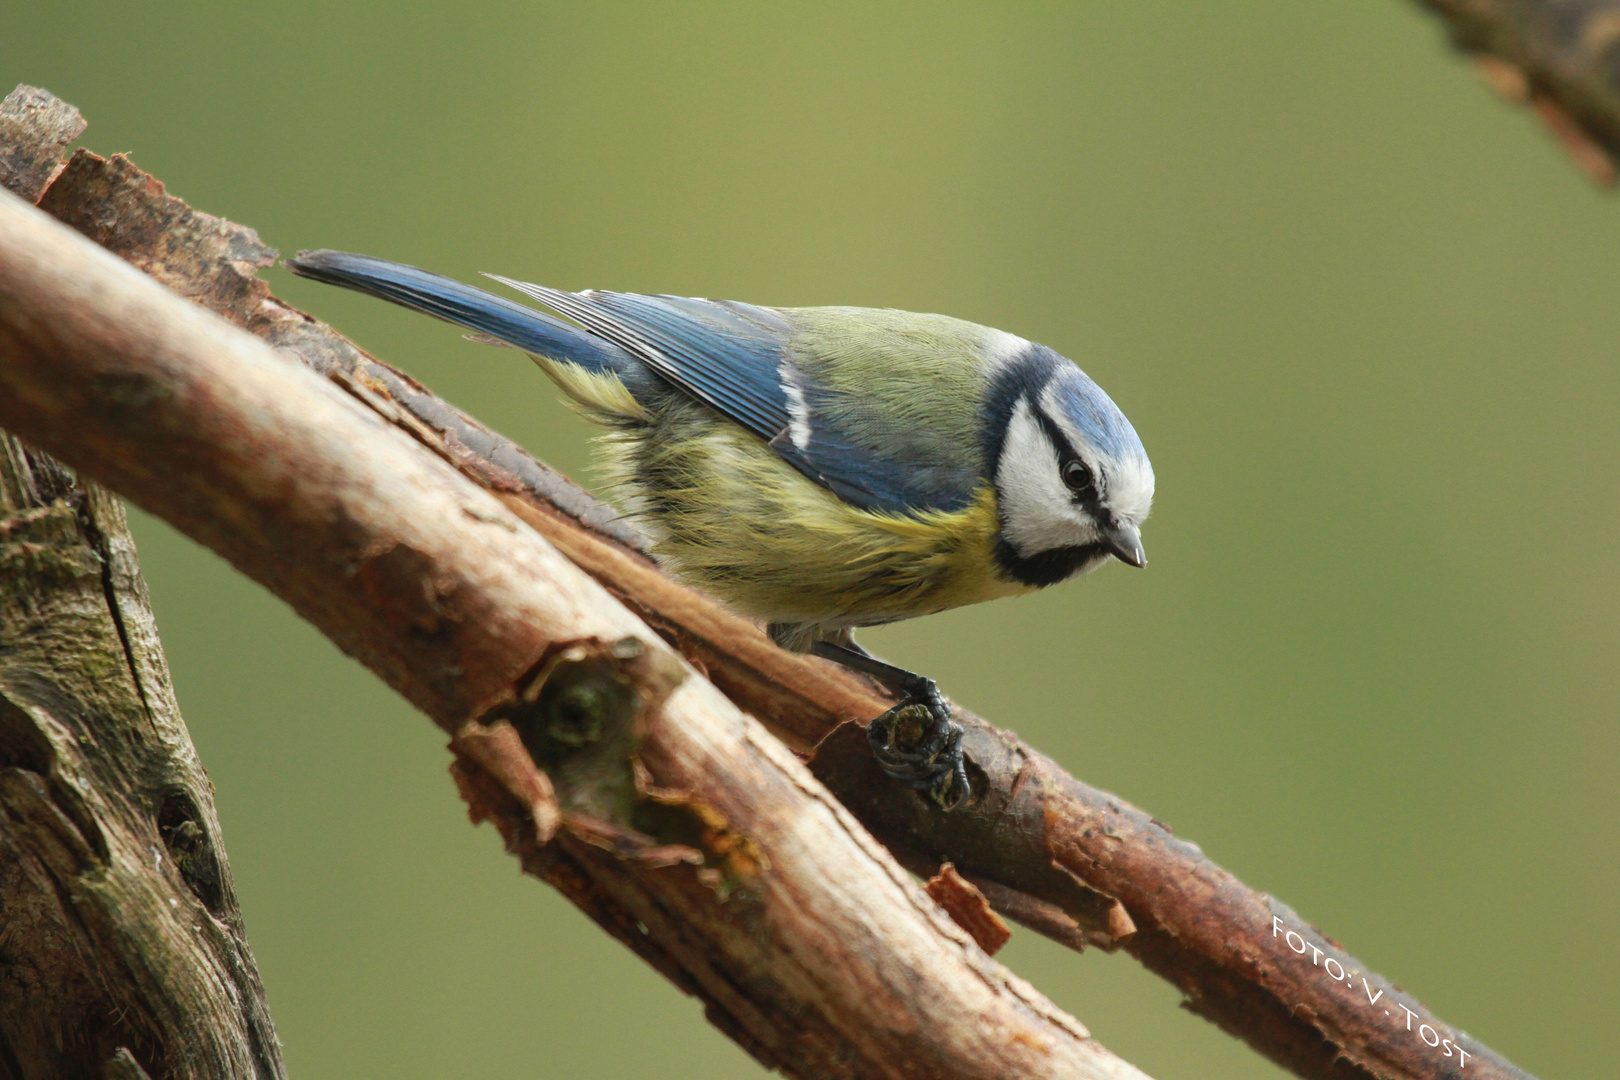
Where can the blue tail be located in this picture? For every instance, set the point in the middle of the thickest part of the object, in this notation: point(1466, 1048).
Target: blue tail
point(530, 330)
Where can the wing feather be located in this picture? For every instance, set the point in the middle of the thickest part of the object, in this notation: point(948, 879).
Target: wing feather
point(738, 360)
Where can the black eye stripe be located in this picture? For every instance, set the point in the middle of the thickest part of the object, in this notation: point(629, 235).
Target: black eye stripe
point(1059, 440)
point(1088, 497)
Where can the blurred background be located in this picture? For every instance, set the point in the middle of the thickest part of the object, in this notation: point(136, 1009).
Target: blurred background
point(1363, 316)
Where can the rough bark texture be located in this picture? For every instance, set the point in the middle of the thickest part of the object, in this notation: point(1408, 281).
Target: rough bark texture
point(675, 819)
point(1560, 57)
point(1076, 864)
point(121, 929)
point(122, 952)
point(34, 127)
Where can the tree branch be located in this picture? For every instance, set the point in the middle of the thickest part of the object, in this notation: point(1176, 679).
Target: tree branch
point(1074, 863)
point(1559, 57)
point(124, 952)
point(674, 819)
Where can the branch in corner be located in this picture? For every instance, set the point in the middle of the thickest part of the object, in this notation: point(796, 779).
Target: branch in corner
point(1557, 58)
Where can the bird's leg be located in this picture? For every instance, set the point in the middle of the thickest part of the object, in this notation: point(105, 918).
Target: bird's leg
point(917, 742)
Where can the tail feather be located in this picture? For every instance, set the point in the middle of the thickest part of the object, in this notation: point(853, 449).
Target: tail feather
point(524, 327)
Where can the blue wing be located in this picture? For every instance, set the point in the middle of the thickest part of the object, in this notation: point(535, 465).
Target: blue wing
point(733, 357)
point(737, 359)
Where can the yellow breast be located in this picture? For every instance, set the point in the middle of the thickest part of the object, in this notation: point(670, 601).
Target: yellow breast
point(734, 520)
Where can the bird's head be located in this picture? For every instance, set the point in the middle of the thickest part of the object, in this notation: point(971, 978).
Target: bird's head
point(1072, 481)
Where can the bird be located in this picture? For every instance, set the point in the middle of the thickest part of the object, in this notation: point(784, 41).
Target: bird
point(824, 469)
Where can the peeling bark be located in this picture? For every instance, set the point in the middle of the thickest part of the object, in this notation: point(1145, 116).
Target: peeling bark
point(34, 127)
point(965, 904)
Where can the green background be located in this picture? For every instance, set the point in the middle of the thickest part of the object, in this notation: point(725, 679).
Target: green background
point(1363, 315)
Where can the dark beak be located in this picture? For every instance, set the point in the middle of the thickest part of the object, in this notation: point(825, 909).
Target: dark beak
point(1126, 544)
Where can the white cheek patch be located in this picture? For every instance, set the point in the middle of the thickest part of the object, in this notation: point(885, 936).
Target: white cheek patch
point(1038, 513)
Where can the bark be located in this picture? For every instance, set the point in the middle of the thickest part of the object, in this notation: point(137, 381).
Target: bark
point(123, 950)
point(1559, 57)
point(34, 127)
point(670, 816)
point(1076, 864)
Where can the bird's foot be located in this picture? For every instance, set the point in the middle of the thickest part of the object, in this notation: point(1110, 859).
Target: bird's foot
point(918, 742)
point(921, 748)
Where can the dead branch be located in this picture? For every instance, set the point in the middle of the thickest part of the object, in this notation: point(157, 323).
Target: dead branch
point(1561, 58)
point(122, 931)
point(1074, 863)
point(674, 819)
point(124, 952)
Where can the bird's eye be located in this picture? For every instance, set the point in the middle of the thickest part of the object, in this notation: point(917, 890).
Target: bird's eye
point(1077, 478)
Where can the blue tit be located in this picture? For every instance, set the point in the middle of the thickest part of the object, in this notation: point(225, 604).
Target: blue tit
point(824, 469)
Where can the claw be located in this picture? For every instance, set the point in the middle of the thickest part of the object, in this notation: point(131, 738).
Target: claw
point(921, 747)
point(917, 742)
